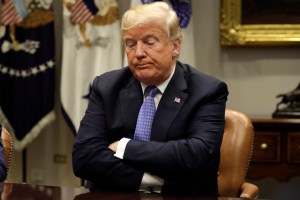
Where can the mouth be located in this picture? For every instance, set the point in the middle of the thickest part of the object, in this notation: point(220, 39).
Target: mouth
point(142, 65)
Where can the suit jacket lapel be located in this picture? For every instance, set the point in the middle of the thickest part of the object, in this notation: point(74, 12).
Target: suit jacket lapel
point(169, 106)
point(131, 98)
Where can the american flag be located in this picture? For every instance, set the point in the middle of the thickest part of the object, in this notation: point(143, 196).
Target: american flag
point(9, 14)
point(83, 11)
point(177, 100)
point(30, 77)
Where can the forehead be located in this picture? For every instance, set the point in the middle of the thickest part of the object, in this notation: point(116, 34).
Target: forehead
point(144, 30)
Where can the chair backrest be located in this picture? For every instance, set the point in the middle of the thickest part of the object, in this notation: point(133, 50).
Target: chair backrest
point(236, 151)
point(7, 142)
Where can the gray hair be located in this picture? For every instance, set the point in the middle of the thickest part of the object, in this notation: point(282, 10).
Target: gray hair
point(157, 12)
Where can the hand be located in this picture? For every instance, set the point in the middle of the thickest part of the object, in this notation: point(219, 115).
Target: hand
point(113, 146)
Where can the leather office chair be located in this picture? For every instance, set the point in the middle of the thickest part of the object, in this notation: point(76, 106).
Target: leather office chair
point(7, 142)
point(236, 151)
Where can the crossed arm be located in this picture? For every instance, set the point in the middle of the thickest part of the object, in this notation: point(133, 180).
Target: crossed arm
point(172, 160)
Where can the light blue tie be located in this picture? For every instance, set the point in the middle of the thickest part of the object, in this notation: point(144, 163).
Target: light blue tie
point(146, 115)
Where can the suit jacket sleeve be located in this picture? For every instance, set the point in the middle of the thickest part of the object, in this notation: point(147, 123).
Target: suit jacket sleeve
point(92, 159)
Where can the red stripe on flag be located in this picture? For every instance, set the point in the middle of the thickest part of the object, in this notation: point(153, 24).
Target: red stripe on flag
point(80, 13)
point(9, 14)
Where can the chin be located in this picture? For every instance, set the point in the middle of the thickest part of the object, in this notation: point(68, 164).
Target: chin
point(147, 78)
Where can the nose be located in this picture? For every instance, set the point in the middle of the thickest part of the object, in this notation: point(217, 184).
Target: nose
point(140, 50)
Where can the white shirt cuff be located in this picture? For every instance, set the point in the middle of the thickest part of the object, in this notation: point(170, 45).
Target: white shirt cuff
point(151, 180)
point(121, 148)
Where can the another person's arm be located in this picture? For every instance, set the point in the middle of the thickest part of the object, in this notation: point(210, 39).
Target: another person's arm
point(3, 168)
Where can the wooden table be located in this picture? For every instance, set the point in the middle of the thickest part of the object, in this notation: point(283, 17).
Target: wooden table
point(15, 191)
point(276, 151)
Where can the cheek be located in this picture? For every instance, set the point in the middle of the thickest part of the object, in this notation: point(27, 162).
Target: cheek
point(130, 56)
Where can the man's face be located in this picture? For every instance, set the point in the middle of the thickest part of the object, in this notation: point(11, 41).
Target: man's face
point(150, 54)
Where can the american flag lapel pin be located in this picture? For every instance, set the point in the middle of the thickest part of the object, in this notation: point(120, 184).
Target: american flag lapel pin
point(177, 100)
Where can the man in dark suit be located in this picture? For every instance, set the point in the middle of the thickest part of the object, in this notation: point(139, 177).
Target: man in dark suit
point(183, 153)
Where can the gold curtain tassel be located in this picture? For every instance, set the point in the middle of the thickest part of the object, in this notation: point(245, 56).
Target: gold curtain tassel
point(12, 36)
point(87, 41)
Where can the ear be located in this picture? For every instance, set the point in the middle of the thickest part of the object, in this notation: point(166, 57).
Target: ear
point(176, 47)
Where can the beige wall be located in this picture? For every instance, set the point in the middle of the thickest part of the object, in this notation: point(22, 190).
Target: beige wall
point(254, 76)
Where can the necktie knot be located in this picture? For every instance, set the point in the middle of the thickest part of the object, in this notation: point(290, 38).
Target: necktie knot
point(151, 91)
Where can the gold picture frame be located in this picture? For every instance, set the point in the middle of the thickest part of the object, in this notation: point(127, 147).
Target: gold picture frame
point(233, 33)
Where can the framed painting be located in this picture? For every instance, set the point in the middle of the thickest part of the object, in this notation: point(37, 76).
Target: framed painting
point(260, 23)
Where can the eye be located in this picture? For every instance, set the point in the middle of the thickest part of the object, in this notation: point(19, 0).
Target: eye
point(130, 44)
point(151, 41)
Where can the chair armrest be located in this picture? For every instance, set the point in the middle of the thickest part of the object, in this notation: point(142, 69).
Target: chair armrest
point(249, 191)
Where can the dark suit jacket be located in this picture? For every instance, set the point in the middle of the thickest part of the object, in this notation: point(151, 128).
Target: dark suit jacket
point(185, 141)
point(3, 169)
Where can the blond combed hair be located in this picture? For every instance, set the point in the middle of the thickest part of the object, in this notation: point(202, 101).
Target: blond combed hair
point(157, 13)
